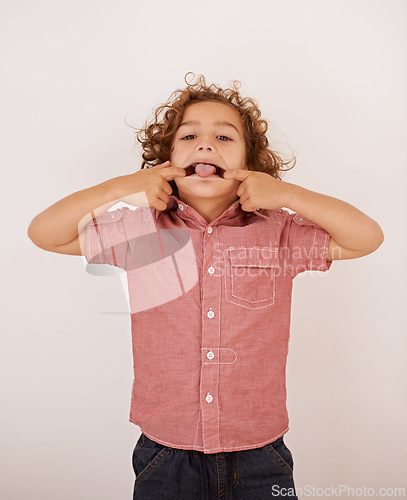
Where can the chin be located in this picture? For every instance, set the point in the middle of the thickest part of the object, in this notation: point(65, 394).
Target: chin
point(206, 192)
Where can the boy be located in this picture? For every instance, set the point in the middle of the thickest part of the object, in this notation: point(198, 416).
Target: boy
point(210, 256)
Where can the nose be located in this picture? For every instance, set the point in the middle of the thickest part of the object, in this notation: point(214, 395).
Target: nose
point(205, 143)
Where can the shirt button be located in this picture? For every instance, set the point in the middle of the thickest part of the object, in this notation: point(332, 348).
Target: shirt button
point(210, 355)
point(209, 398)
point(211, 270)
point(181, 207)
point(210, 314)
point(210, 230)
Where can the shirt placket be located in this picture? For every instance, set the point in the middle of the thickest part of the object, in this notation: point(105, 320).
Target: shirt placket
point(209, 397)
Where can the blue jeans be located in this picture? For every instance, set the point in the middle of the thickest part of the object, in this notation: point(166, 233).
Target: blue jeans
point(164, 473)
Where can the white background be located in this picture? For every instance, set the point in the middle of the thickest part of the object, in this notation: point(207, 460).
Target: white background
point(330, 76)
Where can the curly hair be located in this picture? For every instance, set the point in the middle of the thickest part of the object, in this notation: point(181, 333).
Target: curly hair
point(157, 136)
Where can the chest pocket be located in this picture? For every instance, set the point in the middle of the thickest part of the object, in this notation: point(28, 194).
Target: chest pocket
point(250, 276)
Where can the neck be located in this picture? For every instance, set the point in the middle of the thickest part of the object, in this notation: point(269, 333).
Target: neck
point(209, 208)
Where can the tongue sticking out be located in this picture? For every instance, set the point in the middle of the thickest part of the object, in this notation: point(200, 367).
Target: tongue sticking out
point(204, 170)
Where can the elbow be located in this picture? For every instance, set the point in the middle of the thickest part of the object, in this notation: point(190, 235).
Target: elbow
point(373, 241)
point(381, 240)
point(31, 231)
point(34, 234)
point(380, 236)
point(377, 239)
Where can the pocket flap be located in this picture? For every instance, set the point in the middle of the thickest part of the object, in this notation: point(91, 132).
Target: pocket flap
point(253, 256)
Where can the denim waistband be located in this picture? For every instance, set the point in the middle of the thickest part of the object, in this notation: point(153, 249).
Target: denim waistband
point(230, 464)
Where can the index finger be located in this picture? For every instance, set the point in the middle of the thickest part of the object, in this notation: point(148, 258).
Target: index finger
point(170, 172)
point(238, 174)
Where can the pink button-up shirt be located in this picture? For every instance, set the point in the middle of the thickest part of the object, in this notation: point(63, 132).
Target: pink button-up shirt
point(210, 308)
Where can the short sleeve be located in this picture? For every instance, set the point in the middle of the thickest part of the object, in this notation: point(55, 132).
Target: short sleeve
point(304, 245)
point(111, 236)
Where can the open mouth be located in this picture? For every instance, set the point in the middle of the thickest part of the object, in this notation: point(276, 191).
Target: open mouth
point(204, 170)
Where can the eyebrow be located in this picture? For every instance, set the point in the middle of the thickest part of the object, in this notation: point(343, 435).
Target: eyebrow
point(224, 123)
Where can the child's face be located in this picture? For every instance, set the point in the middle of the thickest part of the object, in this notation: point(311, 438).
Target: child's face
point(200, 138)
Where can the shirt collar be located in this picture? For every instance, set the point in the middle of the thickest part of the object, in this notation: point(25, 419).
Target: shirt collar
point(183, 210)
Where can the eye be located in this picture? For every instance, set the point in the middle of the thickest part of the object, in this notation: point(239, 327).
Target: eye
point(223, 138)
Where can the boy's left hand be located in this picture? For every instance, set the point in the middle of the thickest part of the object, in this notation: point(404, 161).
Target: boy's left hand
point(259, 190)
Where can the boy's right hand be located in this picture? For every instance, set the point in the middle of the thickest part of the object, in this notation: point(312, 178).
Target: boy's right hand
point(148, 186)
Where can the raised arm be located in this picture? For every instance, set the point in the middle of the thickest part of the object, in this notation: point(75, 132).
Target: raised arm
point(59, 228)
point(353, 233)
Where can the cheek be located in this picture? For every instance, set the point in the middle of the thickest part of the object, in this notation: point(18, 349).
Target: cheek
point(243, 164)
point(176, 151)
